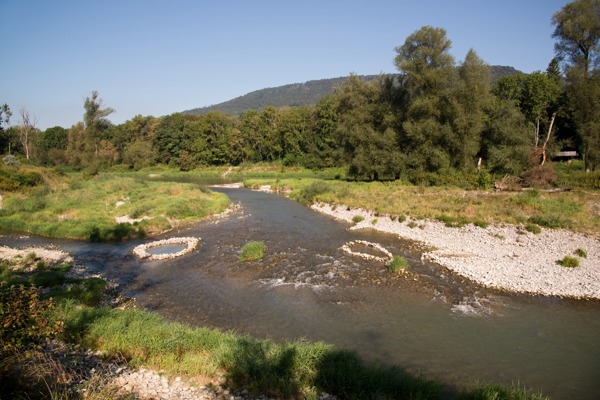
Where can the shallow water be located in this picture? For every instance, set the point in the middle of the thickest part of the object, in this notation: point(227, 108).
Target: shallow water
point(429, 322)
point(166, 249)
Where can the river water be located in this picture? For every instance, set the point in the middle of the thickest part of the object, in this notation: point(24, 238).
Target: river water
point(429, 322)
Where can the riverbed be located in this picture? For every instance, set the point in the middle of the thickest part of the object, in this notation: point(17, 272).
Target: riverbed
point(429, 321)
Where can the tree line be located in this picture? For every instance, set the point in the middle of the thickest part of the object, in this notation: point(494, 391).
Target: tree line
point(435, 116)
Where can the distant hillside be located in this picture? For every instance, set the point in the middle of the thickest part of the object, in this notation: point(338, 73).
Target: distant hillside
point(299, 94)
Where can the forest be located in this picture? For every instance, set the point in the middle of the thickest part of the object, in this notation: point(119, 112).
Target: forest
point(436, 116)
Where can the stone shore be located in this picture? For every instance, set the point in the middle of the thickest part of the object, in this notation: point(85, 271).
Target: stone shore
point(500, 256)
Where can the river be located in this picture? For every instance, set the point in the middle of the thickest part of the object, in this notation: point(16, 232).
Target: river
point(429, 322)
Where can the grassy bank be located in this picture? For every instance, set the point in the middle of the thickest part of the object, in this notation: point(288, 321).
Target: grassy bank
point(79, 207)
point(575, 210)
point(299, 370)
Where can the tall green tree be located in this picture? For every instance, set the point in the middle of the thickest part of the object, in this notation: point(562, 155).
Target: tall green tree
point(577, 34)
point(366, 130)
point(474, 97)
point(430, 73)
point(95, 121)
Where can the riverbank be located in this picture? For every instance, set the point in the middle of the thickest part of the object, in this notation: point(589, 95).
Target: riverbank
point(502, 256)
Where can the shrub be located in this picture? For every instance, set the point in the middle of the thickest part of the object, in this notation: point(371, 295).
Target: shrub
point(481, 224)
point(357, 219)
point(533, 228)
point(24, 317)
point(569, 262)
point(451, 222)
point(11, 161)
point(307, 195)
point(401, 218)
point(398, 263)
point(253, 251)
point(581, 253)
point(540, 176)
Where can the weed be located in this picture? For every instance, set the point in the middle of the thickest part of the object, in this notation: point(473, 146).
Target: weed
point(357, 219)
point(533, 228)
point(401, 218)
point(397, 264)
point(451, 222)
point(412, 224)
point(581, 253)
point(374, 221)
point(569, 262)
point(252, 251)
point(481, 224)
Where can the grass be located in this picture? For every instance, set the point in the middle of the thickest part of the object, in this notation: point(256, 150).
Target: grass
point(358, 219)
point(575, 210)
point(77, 207)
point(569, 262)
point(253, 251)
point(298, 369)
point(581, 253)
point(398, 264)
point(533, 228)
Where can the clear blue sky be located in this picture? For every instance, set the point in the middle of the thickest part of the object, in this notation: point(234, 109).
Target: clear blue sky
point(158, 57)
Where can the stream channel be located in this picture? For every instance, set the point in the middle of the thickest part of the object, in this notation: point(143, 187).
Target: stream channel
point(429, 322)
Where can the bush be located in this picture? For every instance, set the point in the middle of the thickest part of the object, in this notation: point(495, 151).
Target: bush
point(11, 161)
point(569, 262)
point(398, 263)
point(307, 194)
point(24, 317)
point(540, 176)
point(253, 251)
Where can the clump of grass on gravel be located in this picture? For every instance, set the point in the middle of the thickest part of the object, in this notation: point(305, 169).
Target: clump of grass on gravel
point(569, 262)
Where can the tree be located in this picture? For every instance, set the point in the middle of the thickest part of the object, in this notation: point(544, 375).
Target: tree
point(52, 144)
point(577, 31)
point(26, 130)
point(5, 115)
point(473, 95)
point(427, 134)
point(95, 120)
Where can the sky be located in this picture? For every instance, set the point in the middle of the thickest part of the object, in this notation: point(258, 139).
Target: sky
point(155, 58)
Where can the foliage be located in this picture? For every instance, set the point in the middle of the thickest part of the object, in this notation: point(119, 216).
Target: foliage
point(24, 317)
point(11, 161)
point(398, 263)
point(253, 251)
point(308, 194)
point(569, 262)
point(11, 180)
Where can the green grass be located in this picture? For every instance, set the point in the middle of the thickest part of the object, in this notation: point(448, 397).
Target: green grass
point(397, 264)
point(533, 228)
point(575, 210)
point(252, 251)
point(569, 262)
point(77, 207)
point(358, 219)
point(581, 253)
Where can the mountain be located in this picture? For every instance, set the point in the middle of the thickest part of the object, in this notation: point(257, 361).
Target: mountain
point(299, 94)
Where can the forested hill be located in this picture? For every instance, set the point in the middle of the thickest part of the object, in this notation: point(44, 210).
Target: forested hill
point(299, 94)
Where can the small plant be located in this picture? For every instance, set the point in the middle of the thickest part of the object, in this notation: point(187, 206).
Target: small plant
point(253, 251)
point(533, 228)
point(357, 219)
point(481, 224)
point(581, 253)
point(569, 262)
point(397, 264)
point(412, 224)
point(451, 222)
point(401, 218)
point(374, 221)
